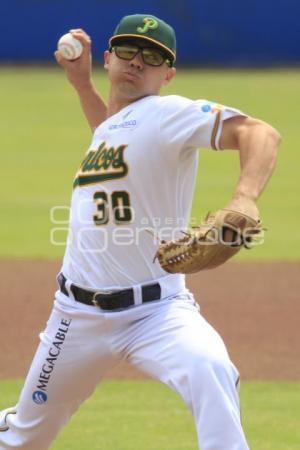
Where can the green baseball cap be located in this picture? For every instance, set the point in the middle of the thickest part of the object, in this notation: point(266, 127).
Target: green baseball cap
point(148, 28)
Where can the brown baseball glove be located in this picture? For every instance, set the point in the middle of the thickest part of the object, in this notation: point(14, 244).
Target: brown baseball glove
point(218, 238)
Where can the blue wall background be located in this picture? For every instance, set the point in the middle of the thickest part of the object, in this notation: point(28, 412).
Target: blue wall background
point(239, 32)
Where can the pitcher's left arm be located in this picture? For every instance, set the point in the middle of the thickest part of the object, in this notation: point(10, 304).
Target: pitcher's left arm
point(258, 143)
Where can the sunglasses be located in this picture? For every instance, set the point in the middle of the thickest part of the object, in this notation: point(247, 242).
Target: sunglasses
point(150, 55)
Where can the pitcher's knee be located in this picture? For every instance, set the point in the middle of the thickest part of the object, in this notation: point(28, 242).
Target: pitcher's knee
point(219, 372)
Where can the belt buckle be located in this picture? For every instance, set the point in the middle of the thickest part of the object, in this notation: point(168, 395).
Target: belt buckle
point(94, 300)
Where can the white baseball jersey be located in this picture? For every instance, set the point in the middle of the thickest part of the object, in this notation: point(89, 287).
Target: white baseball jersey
point(138, 174)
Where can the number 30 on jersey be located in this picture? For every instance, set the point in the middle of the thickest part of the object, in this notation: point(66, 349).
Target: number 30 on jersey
point(120, 207)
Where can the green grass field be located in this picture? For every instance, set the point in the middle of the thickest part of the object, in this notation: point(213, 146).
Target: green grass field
point(43, 138)
point(144, 415)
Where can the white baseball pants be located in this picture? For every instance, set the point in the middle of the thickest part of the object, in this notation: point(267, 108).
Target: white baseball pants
point(167, 339)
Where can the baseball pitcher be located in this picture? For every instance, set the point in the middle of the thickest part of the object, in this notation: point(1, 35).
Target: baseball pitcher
point(121, 289)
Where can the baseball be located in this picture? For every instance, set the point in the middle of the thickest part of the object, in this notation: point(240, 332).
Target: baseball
point(69, 47)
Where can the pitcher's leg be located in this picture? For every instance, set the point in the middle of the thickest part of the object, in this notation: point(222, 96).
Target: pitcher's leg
point(178, 347)
point(67, 366)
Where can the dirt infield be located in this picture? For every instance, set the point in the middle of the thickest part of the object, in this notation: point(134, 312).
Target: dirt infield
point(255, 307)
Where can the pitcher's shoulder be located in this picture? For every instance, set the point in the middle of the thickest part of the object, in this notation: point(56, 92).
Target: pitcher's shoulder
point(175, 100)
point(178, 102)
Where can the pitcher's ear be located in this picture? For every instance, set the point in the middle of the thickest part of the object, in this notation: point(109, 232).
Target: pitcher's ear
point(169, 75)
point(106, 58)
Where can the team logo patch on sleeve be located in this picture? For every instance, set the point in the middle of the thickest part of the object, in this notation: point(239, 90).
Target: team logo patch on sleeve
point(212, 107)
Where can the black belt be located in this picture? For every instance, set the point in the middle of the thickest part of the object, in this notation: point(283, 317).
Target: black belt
point(110, 300)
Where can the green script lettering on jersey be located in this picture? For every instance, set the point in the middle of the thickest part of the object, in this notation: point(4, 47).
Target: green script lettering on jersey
point(101, 165)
